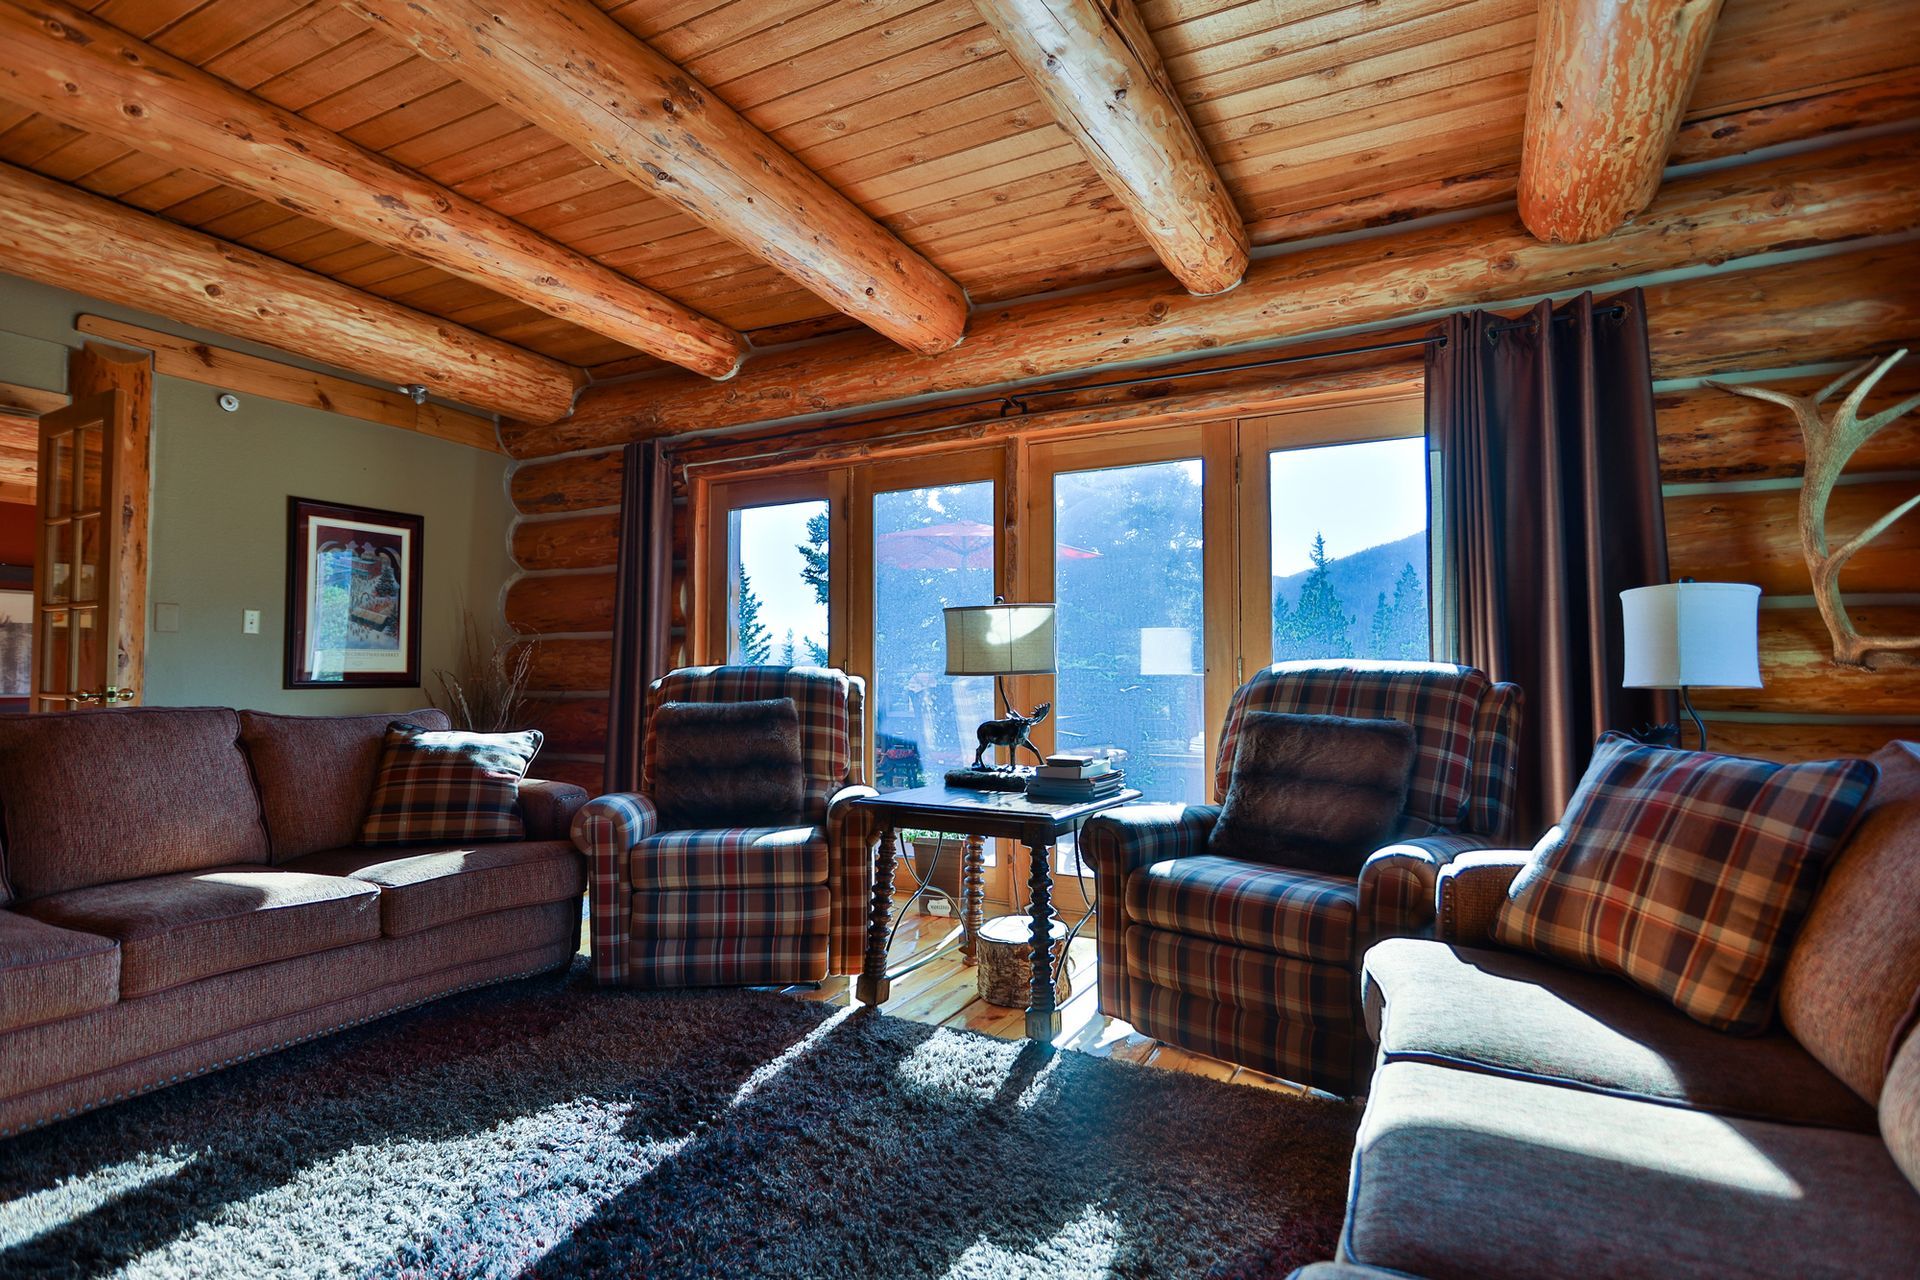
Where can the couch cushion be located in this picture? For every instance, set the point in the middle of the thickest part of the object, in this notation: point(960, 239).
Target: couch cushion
point(1900, 1110)
point(1522, 1016)
point(1297, 913)
point(316, 773)
point(1857, 962)
point(446, 785)
point(730, 858)
point(425, 888)
point(1315, 792)
point(180, 928)
point(1241, 976)
point(1687, 873)
point(48, 973)
point(165, 790)
point(1465, 1176)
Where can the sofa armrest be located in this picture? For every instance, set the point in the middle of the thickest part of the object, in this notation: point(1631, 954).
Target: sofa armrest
point(606, 830)
point(1118, 843)
point(547, 808)
point(1397, 886)
point(1470, 891)
point(849, 878)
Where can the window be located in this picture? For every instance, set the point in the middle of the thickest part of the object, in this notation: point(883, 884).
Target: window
point(1348, 540)
point(777, 583)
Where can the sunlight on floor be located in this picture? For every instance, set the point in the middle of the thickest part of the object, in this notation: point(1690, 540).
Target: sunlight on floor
point(767, 1071)
point(952, 1065)
point(1084, 1249)
point(39, 1212)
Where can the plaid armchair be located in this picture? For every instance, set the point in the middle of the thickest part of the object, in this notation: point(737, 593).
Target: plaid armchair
point(738, 906)
point(1259, 964)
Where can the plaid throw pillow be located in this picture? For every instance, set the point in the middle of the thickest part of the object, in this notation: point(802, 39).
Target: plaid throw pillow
point(1686, 873)
point(446, 785)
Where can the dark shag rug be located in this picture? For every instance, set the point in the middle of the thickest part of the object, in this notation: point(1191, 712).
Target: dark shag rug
point(546, 1129)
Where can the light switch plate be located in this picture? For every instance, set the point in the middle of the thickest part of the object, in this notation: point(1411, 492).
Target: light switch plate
point(166, 616)
point(250, 622)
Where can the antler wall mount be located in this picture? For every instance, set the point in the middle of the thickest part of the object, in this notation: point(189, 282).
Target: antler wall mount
point(1832, 439)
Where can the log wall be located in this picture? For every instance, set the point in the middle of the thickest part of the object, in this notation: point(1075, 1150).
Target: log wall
point(1731, 469)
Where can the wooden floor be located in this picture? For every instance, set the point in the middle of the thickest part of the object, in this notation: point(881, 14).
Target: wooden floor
point(944, 992)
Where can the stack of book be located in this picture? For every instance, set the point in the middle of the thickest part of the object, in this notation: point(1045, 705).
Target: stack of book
point(1074, 779)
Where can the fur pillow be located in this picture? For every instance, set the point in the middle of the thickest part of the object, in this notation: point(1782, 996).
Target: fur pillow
point(728, 764)
point(1315, 792)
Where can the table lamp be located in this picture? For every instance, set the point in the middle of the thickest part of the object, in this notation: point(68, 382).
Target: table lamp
point(1000, 640)
point(1686, 634)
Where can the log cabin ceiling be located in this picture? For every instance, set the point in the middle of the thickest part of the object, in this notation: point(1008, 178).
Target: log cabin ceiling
point(1318, 115)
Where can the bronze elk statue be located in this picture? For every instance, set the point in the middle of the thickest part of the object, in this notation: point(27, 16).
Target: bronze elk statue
point(1012, 732)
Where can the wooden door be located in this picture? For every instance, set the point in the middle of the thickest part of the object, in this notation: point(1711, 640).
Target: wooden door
point(75, 587)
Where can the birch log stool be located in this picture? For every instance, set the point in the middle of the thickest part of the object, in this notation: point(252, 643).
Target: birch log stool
point(1005, 947)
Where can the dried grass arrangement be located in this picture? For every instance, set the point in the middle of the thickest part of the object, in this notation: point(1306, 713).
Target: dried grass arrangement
point(488, 692)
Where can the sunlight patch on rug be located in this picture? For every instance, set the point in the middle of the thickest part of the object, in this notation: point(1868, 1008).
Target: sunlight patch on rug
point(1084, 1249)
point(39, 1212)
point(953, 1065)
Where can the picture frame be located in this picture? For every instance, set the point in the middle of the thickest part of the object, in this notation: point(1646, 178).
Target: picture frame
point(353, 596)
point(16, 636)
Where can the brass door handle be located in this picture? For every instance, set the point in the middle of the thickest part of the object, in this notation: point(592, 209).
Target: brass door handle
point(105, 698)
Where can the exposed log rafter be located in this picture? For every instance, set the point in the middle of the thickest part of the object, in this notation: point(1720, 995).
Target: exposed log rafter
point(575, 72)
point(71, 239)
point(95, 77)
point(1850, 191)
point(1096, 66)
point(1610, 83)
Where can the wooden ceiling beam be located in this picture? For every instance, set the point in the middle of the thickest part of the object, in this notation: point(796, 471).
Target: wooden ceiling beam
point(1096, 66)
point(575, 72)
point(71, 239)
point(95, 77)
point(1842, 193)
point(1610, 84)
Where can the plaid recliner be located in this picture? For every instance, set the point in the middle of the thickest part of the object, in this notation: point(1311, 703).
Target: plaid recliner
point(739, 906)
point(1259, 964)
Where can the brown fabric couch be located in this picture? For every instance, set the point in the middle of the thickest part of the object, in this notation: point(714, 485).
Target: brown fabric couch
point(1529, 1120)
point(179, 892)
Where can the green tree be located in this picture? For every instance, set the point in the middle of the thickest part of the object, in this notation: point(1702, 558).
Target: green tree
point(1380, 637)
point(755, 645)
point(816, 652)
point(1317, 625)
point(1407, 636)
point(786, 650)
point(814, 552)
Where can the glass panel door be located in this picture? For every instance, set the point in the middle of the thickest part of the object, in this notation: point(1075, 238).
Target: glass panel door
point(1128, 579)
point(932, 546)
point(777, 584)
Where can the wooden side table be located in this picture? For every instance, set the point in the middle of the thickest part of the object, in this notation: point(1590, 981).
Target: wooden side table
point(977, 815)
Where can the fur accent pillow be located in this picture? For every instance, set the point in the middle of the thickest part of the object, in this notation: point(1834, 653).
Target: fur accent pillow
point(1319, 793)
point(728, 764)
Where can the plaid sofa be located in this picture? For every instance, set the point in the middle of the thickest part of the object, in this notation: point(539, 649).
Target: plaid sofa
point(1258, 964)
point(735, 906)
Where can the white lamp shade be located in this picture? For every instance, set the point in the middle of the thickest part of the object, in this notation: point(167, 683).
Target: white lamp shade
point(1697, 634)
point(1166, 651)
point(1000, 640)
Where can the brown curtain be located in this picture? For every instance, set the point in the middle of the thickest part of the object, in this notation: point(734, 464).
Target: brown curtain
point(642, 595)
point(1546, 505)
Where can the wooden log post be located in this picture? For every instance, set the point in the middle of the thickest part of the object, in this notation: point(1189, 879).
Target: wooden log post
point(1853, 190)
point(78, 69)
point(68, 238)
point(1610, 83)
point(574, 71)
point(1096, 66)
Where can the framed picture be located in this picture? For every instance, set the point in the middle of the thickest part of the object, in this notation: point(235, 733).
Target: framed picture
point(353, 597)
point(16, 635)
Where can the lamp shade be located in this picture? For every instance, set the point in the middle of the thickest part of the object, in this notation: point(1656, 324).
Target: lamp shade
point(1166, 651)
point(1698, 634)
point(1000, 640)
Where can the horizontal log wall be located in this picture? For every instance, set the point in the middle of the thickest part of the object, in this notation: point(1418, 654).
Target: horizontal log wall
point(1731, 468)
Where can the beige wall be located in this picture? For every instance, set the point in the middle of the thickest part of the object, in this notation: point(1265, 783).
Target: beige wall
point(220, 487)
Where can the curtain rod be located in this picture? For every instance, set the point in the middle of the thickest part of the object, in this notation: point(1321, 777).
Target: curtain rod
point(1012, 405)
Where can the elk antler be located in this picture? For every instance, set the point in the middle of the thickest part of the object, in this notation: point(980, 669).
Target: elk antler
point(1832, 441)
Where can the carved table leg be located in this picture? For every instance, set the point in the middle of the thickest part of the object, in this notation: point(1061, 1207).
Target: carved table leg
point(873, 987)
point(1043, 1017)
point(973, 893)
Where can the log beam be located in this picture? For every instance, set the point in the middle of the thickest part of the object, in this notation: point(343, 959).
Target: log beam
point(1610, 83)
point(1095, 65)
point(1849, 191)
point(95, 77)
point(575, 72)
point(68, 238)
